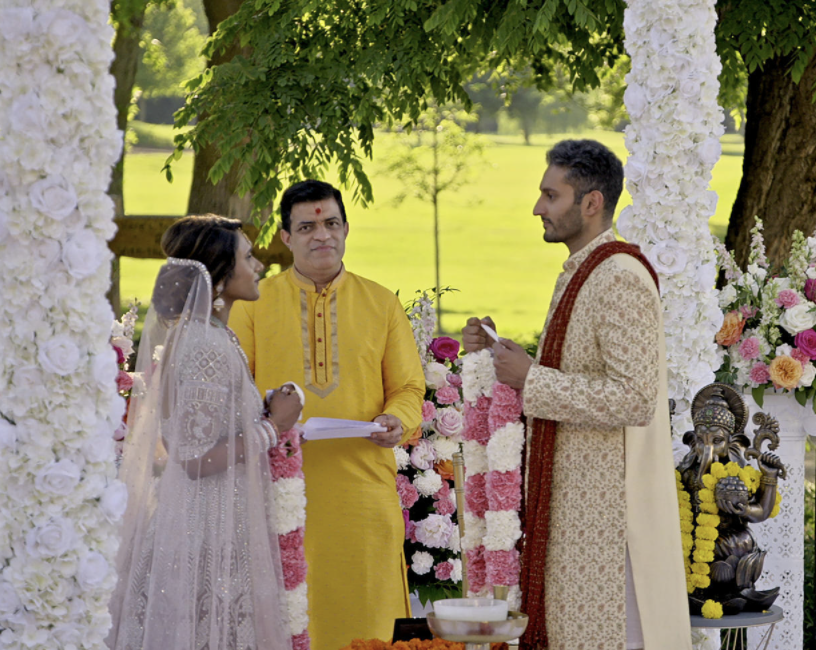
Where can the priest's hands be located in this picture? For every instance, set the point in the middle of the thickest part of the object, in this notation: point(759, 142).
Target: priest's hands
point(388, 438)
point(474, 338)
point(512, 363)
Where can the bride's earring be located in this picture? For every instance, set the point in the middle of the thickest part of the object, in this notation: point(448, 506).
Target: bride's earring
point(218, 303)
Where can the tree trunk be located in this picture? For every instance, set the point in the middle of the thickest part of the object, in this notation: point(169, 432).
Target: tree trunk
point(779, 165)
point(123, 68)
point(219, 198)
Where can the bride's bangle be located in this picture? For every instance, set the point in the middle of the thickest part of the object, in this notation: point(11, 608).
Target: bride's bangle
point(271, 431)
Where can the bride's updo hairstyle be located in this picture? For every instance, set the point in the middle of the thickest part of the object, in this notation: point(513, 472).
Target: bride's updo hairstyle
point(208, 239)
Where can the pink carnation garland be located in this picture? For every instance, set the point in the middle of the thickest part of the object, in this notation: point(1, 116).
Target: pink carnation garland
point(286, 463)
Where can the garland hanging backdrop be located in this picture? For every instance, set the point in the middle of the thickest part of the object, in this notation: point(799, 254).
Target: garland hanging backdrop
point(58, 399)
point(673, 143)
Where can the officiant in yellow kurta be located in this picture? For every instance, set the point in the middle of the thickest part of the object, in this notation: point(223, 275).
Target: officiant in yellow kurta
point(347, 341)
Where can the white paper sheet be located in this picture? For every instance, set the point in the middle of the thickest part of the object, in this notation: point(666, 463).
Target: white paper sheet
point(490, 332)
point(332, 428)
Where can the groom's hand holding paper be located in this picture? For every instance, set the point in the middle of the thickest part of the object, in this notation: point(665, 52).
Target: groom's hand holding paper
point(392, 434)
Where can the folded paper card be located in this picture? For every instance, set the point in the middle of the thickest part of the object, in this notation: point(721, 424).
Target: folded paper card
point(331, 428)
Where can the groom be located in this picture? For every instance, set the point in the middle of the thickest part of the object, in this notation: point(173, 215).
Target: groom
point(347, 341)
point(602, 564)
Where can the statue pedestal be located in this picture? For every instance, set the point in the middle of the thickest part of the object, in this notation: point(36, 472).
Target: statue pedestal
point(783, 536)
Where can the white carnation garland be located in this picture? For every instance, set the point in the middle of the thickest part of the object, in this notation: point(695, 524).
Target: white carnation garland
point(58, 398)
point(673, 144)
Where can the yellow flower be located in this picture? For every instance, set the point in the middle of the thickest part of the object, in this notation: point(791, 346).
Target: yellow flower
point(710, 508)
point(706, 495)
point(774, 512)
point(699, 582)
point(686, 527)
point(677, 476)
point(703, 556)
point(683, 498)
point(718, 471)
point(704, 544)
point(700, 568)
point(785, 371)
point(712, 609)
point(732, 468)
point(711, 521)
point(686, 514)
point(709, 481)
point(750, 477)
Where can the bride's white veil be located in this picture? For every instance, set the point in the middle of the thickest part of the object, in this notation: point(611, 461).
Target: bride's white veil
point(199, 562)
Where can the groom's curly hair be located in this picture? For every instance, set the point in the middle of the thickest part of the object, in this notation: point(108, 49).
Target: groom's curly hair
point(590, 166)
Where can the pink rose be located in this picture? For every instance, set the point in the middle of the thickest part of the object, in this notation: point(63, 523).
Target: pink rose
point(454, 380)
point(749, 348)
point(444, 348)
point(301, 641)
point(475, 495)
point(806, 342)
point(505, 408)
point(800, 356)
point(449, 422)
point(810, 290)
point(504, 490)
point(428, 412)
point(443, 570)
point(787, 298)
point(476, 570)
point(447, 395)
point(423, 455)
point(502, 567)
point(748, 311)
point(760, 374)
point(124, 381)
point(408, 494)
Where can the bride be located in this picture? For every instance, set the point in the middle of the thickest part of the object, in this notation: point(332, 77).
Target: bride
point(199, 564)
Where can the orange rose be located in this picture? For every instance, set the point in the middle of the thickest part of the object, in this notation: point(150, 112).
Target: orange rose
point(731, 329)
point(445, 469)
point(415, 437)
point(785, 372)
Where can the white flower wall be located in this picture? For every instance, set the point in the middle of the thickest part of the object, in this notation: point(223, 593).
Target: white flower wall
point(60, 501)
point(674, 142)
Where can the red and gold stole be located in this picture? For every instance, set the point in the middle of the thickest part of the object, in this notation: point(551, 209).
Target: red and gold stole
point(540, 454)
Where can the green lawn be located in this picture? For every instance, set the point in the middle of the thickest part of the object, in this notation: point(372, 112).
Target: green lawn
point(491, 244)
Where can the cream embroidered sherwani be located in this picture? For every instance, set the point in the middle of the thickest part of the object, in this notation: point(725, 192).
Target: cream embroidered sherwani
point(613, 474)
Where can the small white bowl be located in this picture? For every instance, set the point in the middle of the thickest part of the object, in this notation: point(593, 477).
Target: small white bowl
point(471, 609)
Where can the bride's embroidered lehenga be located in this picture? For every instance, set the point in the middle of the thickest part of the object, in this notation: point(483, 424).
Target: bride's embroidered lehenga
point(199, 565)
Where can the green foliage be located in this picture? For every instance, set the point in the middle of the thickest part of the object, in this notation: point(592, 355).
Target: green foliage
point(151, 136)
point(171, 45)
point(316, 78)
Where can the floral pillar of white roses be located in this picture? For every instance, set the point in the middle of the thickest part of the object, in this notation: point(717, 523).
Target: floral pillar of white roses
point(58, 402)
point(781, 536)
point(673, 144)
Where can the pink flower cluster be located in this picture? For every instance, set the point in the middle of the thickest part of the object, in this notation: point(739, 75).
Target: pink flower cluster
point(443, 500)
point(408, 494)
point(503, 567)
point(443, 570)
point(505, 408)
point(787, 298)
point(286, 461)
point(476, 418)
point(476, 568)
point(504, 490)
point(476, 495)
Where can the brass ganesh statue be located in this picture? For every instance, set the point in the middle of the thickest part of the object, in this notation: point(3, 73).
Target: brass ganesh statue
point(725, 495)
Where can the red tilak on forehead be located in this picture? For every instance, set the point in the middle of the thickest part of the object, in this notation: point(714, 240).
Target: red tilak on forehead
point(318, 210)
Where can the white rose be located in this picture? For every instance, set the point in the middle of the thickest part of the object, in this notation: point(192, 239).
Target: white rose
point(27, 116)
point(710, 151)
point(635, 169)
point(9, 600)
point(52, 539)
point(668, 257)
point(16, 24)
point(100, 447)
point(421, 562)
point(58, 478)
point(624, 222)
point(64, 28)
point(706, 275)
point(798, 318)
point(84, 253)
point(54, 196)
point(93, 569)
point(808, 375)
point(436, 375)
point(449, 422)
point(59, 355)
point(8, 434)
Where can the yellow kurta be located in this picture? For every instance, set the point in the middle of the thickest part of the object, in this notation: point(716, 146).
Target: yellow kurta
point(351, 348)
point(613, 476)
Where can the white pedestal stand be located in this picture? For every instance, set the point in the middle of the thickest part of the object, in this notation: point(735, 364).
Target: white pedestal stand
point(783, 536)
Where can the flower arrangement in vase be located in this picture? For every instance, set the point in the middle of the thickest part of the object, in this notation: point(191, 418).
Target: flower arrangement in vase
point(768, 336)
point(425, 464)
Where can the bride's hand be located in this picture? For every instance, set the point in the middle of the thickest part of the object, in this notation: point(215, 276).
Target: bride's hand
point(284, 407)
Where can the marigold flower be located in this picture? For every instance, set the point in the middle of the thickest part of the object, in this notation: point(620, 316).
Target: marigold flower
point(703, 556)
point(786, 372)
point(708, 520)
point(732, 468)
point(709, 481)
point(710, 508)
point(686, 526)
point(718, 470)
point(706, 496)
point(712, 609)
point(703, 542)
point(731, 329)
point(700, 582)
point(700, 569)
